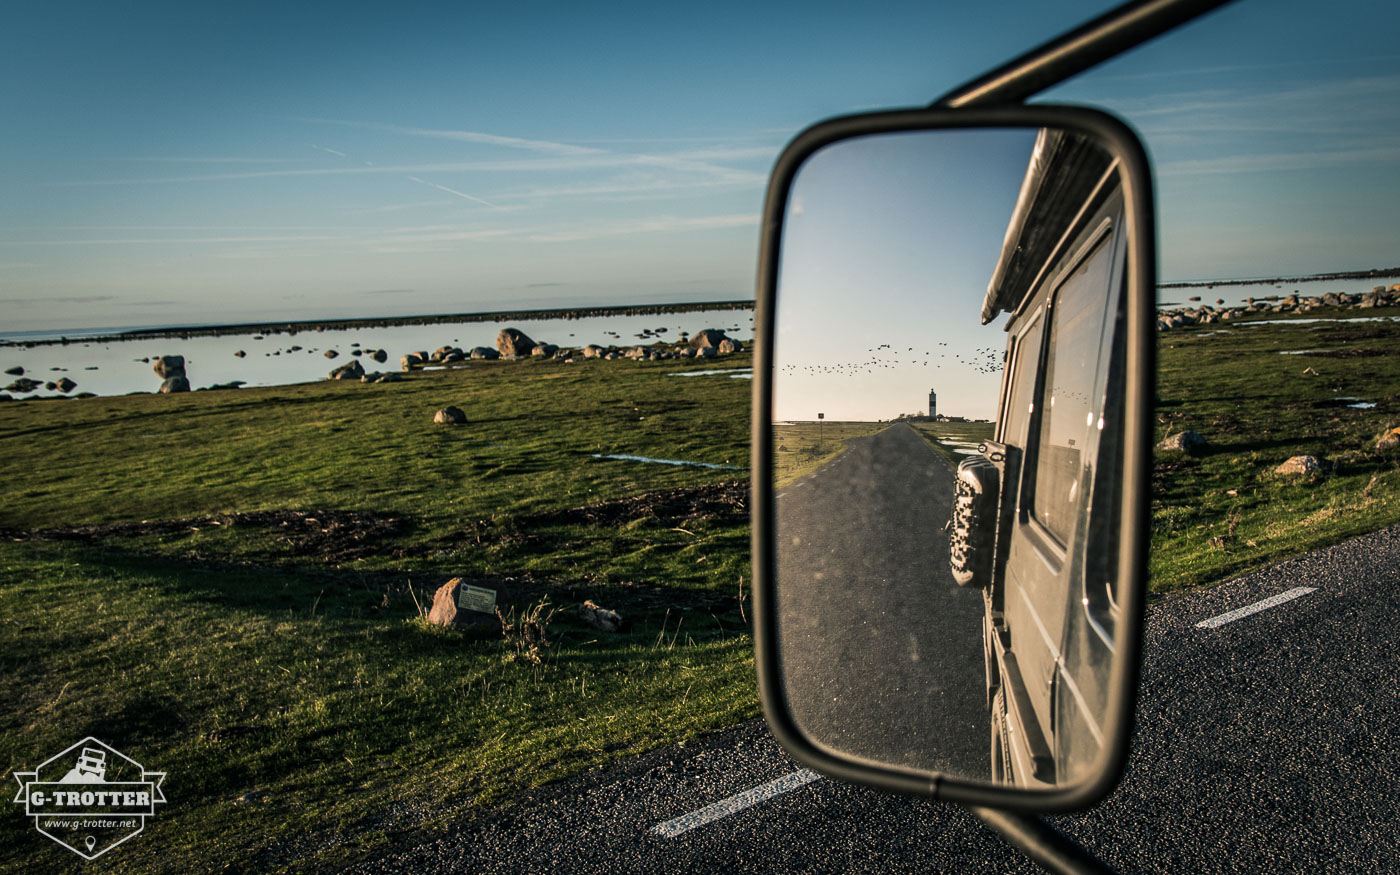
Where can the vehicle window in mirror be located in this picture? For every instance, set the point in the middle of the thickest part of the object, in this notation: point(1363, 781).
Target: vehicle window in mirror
point(1016, 417)
point(1068, 414)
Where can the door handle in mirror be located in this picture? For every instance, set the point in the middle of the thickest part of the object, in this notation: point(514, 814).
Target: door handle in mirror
point(951, 441)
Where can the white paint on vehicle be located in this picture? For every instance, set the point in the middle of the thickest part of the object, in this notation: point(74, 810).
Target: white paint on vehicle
point(1248, 610)
point(678, 826)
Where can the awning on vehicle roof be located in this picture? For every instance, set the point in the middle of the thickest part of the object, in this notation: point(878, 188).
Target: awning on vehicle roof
point(1064, 170)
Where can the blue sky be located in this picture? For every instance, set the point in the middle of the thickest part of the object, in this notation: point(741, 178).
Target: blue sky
point(190, 162)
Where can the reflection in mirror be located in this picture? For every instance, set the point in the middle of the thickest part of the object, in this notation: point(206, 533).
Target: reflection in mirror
point(947, 430)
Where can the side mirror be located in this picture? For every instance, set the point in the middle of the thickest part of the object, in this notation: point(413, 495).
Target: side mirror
point(952, 403)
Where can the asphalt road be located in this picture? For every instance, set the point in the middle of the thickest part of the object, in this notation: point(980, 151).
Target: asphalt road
point(1265, 744)
point(864, 592)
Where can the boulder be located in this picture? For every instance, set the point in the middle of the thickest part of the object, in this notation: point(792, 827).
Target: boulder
point(593, 351)
point(377, 377)
point(50, 385)
point(357, 352)
point(463, 605)
point(66, 385)
point(168, 366)
point(411, 360)
point(706, 352)
point(174, 384)
point(450, 416)
point(351, 370)
point(330, 353)
point(601, 618)
point(240, 354)
point(23, 384)
point(727, 346)
point(513, 342)
point(1309, 465)
point(708, 337)
point(1188, 442)
point(544, 349)
point(379, 355)
point(485, 352)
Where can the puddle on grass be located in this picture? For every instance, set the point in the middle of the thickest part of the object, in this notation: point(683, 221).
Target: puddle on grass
point(1362, 405)
point(623, 457)
point(733, 373)
point(1302, 351)
point(1318, 321)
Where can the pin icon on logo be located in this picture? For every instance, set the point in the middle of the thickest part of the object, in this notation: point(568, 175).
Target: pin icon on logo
point(91, 842)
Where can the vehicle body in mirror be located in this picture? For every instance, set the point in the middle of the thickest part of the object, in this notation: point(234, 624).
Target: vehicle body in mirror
point(1036, 517)
point(963, 631)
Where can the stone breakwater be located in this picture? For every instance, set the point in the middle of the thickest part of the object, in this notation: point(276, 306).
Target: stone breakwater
point(1206, 314)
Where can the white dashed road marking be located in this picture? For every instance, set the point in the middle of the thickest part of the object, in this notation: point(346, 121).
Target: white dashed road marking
point(734, 804)
point(1247, 610)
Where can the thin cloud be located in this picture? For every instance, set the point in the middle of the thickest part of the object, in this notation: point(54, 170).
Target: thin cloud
point(452, 191)
point(658, 225)
point(1279, 161)
point(328, 151)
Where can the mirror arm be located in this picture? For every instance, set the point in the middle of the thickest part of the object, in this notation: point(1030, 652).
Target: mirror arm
point(1037, 839)
point(1116, 31)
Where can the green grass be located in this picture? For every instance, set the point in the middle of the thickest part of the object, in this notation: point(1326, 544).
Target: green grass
point(1225, 511)
point(803, 447)
point(260, 631)
point(945, 437)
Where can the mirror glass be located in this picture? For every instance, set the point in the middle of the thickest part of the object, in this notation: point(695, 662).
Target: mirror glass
point(946, 397)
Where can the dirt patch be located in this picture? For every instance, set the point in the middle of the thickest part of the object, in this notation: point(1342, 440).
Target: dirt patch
point(332, 535)
point(718, 502)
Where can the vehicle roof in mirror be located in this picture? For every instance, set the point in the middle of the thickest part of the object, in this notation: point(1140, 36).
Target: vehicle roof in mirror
point(1064, 168)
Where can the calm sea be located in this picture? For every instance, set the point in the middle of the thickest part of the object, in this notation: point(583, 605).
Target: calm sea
point(118, 367)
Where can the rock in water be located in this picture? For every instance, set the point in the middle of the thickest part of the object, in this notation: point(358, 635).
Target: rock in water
point(450, 416)
point(411, 360)
point(330, 353)
point(463, 605)
point(16, 371)
point(513, 342)
point(352, 370)
point(379, 355)
point(168, 366)
point(66, 385)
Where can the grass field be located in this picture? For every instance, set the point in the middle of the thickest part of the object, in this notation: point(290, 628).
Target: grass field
point(1260, 394)
point(227, 585)
point(803, 447)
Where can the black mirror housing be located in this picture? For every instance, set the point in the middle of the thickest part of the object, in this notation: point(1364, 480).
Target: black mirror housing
point(1117, 547)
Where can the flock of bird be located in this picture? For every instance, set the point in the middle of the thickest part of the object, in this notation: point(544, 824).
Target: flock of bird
point(987, 360)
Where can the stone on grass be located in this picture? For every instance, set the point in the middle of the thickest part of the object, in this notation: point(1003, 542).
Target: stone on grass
point(411, 360)
point(450, 416)
point(1389, 440)
point(707, 338)
point(351, 370)
point(1188, 442)
point(463, 605)
point(728, 346)
point(174, 384)
point(1308, 465)
point(601, 618)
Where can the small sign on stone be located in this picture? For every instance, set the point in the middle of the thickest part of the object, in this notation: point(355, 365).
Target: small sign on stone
point(476, 598)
